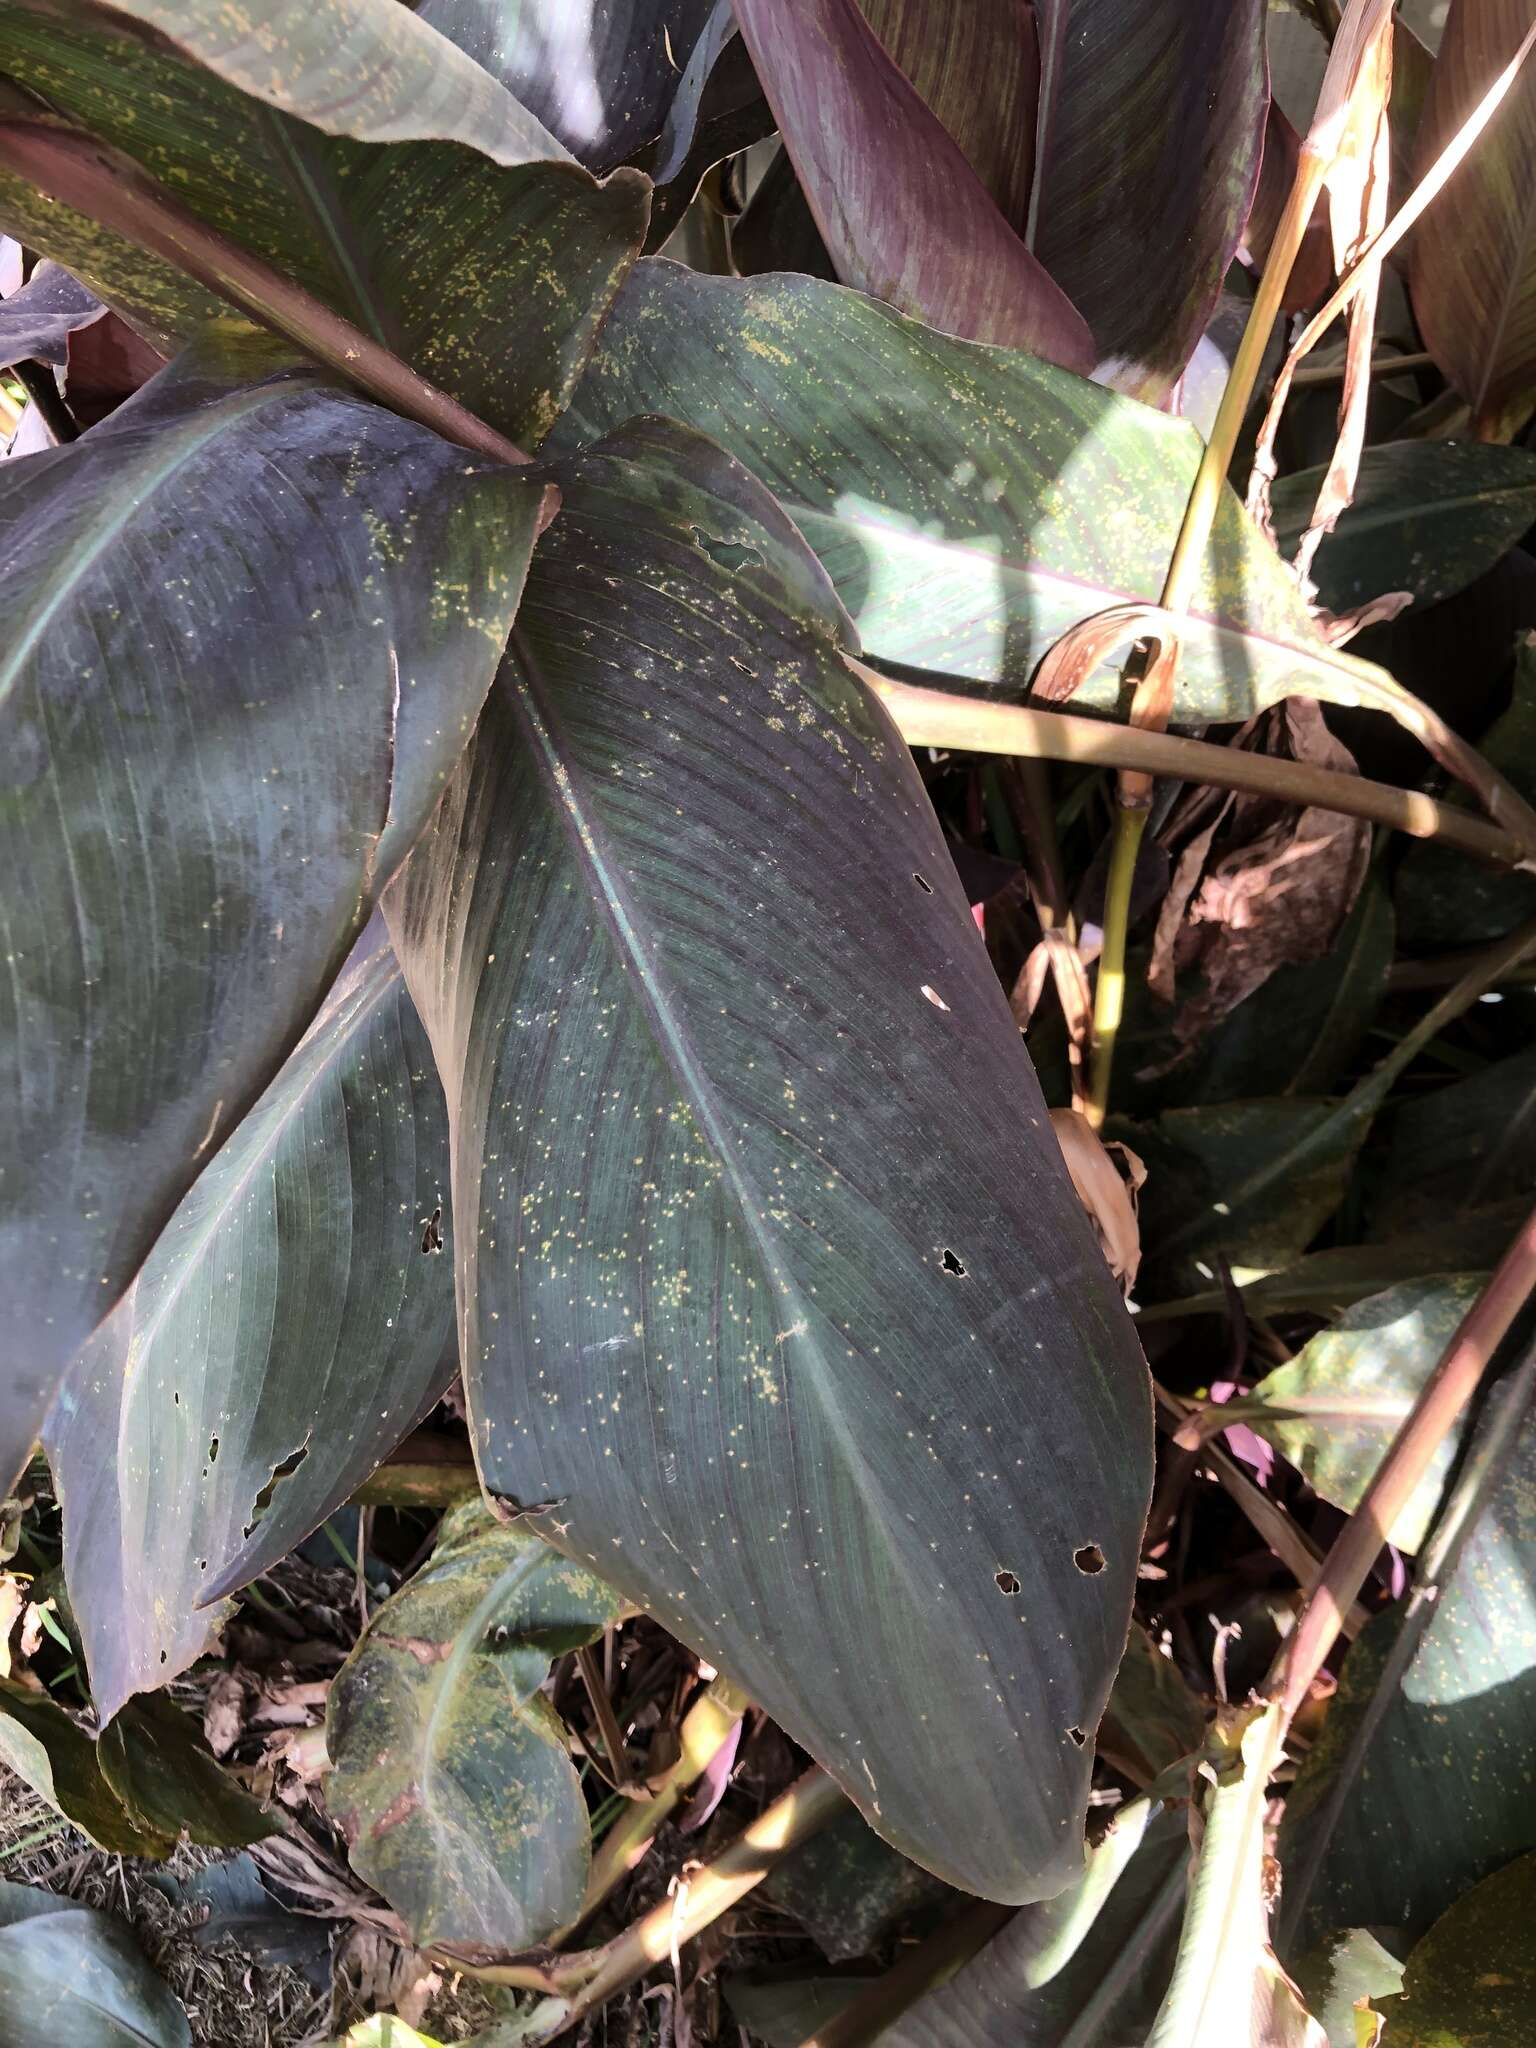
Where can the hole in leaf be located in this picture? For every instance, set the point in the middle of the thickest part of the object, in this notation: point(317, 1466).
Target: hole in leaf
point(729, 555)
point(1008, 1582)
point(213, 1450)
point(1077, 1736)
point(934, 997)
point(284, 1470)
point(922, 882)
point(954, 1265)
point(432, 1231)
point(1090, 1559)
point(164, 1657)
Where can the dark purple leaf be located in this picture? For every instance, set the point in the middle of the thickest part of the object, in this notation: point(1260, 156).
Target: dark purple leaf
point(1153, 123)
point(903, 213)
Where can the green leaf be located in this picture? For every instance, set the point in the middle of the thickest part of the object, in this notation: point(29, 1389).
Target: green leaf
point(204, 1433)
point(851, 1891)
point(490, 278)
point(1439, 1770)
point(1444, 900)
point(451, 1779)
point(1473, 275)
point(785, 2012)
point(70, 1975)
point(844, 1384)
point(1456, 1148)
point(1152, 123)
point(1342, 1974)
point(902, 212)
point(969, 504)
point(1334, 1410)
point(55, 1756)
point(38, 320)
point(1428, 517)
point(156, 1761)
point(602, 79)
point(369, 69)
point(1101, 1948)
point(251, 628)
point(1254, 1181)
point(1330, 1280)
point(1153, 1719)
point(1471, 1982)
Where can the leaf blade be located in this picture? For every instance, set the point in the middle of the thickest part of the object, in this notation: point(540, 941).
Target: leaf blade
point(172, 952)
point(596, 1022)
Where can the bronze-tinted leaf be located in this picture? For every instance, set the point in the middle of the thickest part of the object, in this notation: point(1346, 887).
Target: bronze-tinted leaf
point(208, 1428)
point(251, 627)
point(770, 1270)
point(1474, 253)
point(902, 211)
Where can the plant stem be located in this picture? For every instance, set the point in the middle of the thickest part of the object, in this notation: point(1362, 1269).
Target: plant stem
point(794, 1817)
point(607, 1720)
point(935, 718)
point(706, 1725)
point(78, 171)
point(1445, 1394)
point(427, 1471)
point(1109, 990)
point(1178, 587)
point(576, 1985)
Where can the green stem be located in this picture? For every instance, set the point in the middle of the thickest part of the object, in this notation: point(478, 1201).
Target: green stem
point(706, 1725)
point(1109, 991)
point(937, 718)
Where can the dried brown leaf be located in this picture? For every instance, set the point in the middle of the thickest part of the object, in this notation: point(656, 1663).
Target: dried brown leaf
point(1256, 885)
point(1107, 1191)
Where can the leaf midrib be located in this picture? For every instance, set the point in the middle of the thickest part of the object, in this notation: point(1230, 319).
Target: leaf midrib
point(586, 840)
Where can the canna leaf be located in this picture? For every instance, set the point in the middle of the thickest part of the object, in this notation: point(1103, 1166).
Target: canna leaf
point(38, 320)
point(156, 1761)
point(900, 209)
point(369, 69)
point(769, 1268)
point(969, 504)
point(1471, 1982)
point(1105, 1941)
point(489, 277)
point(1439, 1766)
point(1473, 274)
point(1152, 126)
point(451, 1780)
point(601, 78)
point(977, 69)
point(1428, 517)
point(71, 1974)
point(206, 1430)
point(1334, 1410)
point(251, 628)
point(54, 1756)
